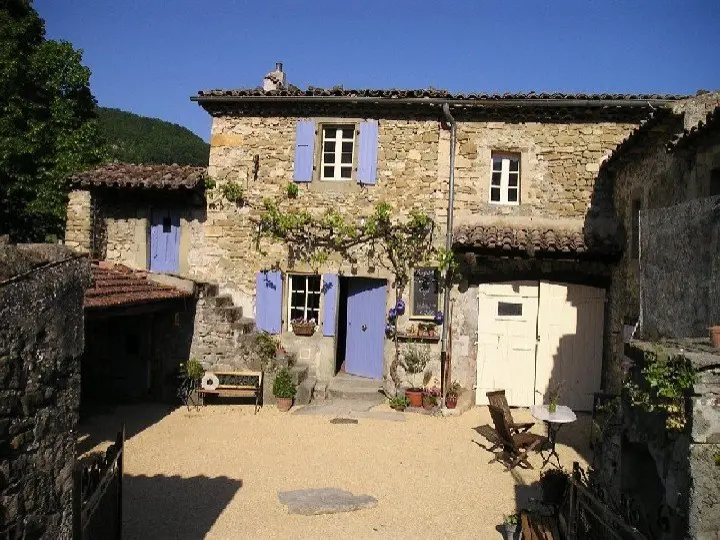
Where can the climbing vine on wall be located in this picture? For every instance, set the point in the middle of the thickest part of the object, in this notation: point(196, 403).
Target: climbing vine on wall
point(665, 379)
point(396, 243)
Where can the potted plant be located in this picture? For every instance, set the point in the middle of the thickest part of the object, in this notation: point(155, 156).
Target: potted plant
point(452, 395)
point(554, 396)
point(414, 359)
point(303, 327)
point(553, 484)
point(511, 525)
point(284, 389)
point(191, 374)
point(398, 403)
point(714, 335)
point(430, 398)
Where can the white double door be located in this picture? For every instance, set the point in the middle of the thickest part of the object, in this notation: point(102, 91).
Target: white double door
point(534, 335)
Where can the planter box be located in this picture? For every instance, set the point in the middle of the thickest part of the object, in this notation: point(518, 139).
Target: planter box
point(303, 330)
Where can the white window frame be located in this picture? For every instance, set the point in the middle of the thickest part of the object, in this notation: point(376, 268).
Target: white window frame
point(505, 175)
point(337, 153)
point(294, 287)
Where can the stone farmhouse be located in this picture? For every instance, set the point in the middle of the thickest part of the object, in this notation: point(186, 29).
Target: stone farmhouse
point(534, 227)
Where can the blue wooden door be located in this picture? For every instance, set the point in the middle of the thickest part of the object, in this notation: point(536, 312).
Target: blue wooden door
point(365, 327)
point(164, 241)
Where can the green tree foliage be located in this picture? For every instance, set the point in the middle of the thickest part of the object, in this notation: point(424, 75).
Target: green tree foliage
point(138, 139)
point(48, 128)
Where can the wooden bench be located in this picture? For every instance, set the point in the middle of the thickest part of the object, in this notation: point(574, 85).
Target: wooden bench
point(242, 384)
point(539, 527)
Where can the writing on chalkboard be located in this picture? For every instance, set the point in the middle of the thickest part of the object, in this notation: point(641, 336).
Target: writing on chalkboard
point(424, 291)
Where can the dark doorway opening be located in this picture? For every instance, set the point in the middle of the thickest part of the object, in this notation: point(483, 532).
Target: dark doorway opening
point(341, 341)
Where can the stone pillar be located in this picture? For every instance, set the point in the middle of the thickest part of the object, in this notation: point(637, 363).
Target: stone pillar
point(78, 227)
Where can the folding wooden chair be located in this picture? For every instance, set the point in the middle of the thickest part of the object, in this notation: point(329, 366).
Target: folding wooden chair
point(497, 398)
point(515, 446)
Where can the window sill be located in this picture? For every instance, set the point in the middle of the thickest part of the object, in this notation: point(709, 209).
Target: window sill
point(415, 337)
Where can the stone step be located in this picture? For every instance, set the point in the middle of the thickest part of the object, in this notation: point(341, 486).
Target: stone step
point(344, 386)
point(320, 391)
point(244, 326)
point(223, 300)
point(209, 290)
point(231, 314)
point(305, 391)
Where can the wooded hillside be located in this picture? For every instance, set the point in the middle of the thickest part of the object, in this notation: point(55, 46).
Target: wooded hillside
point(132, 138)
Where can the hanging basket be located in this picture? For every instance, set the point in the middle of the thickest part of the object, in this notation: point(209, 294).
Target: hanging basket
point(303, 329)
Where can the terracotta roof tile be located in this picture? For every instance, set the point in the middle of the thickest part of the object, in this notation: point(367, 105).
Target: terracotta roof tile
point(533, 239)
point(338, 91)
point(124, 175)
point(118, 285)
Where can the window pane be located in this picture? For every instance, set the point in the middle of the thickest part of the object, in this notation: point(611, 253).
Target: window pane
point(347, 157)
point(347, 147)
point(314, 301)
point(513, 180)
point(328, 172)
point(314, 284)
point(330, 132)
point(496, 178)
point(495, 194)
point(512, 195)
point(509, 309)
point(297, 314)
point(346, 172)
point(497, 164)
point(297, 299)
point(347, 132)
point(329, 158)
point(515, 164)
point(329, 146)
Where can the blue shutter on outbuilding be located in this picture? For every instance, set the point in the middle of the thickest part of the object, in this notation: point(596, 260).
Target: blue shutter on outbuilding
point(367, 148)
point(330, 286)
point(268, 301)
point(304, 150)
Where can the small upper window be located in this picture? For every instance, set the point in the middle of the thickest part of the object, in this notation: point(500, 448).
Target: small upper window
point(304, 300)
point(338, 152)
point(505, 179)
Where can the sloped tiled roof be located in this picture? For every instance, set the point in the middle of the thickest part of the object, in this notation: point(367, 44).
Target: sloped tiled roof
point(691, 137)
point(129, 175)
point(534, 238)
point(393, 93)
point(118, 285)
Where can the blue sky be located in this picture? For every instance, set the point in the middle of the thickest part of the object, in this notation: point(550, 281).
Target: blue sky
point(149, 56)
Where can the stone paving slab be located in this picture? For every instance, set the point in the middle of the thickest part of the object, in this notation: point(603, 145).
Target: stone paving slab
point(349, 409)
point(312, 502)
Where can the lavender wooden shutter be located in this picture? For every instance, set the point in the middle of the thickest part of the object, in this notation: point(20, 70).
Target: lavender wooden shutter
point(304, 150)
point(367, 158)
point(268, 301)
point(330, 296)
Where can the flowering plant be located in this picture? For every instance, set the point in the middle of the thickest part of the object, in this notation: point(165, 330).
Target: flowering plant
point(303, 322)
point(432, 392)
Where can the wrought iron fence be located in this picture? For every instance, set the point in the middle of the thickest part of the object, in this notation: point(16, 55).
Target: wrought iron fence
point(589, 515)
point(97, 495)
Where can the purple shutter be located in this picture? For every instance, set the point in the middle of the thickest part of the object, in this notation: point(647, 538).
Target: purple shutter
point(304, 150)
point(330, 296)
point(367, 146)
point(268, 301)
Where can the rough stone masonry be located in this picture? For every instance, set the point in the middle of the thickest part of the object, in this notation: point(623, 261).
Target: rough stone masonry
point(41, 338)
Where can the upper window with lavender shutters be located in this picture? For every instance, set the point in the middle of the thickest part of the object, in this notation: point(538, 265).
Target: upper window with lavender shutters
point(505, 178)
point(338, 152)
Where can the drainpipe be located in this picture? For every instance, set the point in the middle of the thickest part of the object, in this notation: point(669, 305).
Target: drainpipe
point(448, 245)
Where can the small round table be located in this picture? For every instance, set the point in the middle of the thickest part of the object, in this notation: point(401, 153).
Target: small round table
point(554, 421)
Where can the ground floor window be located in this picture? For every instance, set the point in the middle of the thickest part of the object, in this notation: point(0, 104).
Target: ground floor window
point(303, 297)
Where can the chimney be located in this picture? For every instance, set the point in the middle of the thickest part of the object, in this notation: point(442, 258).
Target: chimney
point(275, 80)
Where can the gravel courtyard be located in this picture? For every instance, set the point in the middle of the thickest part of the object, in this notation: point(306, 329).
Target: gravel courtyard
point(215, 473)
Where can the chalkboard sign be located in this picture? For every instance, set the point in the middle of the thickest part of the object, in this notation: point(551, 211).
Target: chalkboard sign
point(425, 289)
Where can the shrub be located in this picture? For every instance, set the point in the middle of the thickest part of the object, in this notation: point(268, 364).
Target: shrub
point(292, 190)
point(192, 370)
point(284, 387)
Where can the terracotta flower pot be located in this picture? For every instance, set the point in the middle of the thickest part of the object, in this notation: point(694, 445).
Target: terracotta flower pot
point(715, 335)
point(451, 401)
point(284, 404)
point(428, 405)
point(415, 396)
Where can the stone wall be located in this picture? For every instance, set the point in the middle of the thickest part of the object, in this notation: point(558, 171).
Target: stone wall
point(78, 226)
point(41, 339)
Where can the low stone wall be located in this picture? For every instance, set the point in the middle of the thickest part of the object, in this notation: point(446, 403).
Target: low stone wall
point(41, 339)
